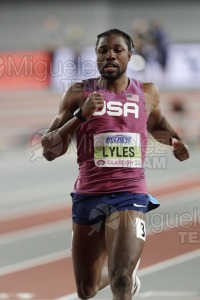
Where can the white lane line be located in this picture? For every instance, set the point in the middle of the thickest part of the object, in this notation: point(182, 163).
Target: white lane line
point(4, 296)
point(169, 263)
point(40, 191)
point(157, 267)
point(25, 296)
point(168, 294)
point(39, 261)
point(56, 226)
point(44, 190)
point(179, 197)
point(27, 112)
point(186, 197)
point(178, 177)
point(36, 231)
point(69, 297)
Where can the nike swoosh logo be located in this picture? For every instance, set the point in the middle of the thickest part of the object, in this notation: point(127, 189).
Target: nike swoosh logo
point(138, 205)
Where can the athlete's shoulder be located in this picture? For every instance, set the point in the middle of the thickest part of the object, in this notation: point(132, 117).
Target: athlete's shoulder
point(150, 87)
point(151, 93)
point(72, 97)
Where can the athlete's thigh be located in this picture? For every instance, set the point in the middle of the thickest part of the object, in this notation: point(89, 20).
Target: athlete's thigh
point(88, 253)
point(124, 240)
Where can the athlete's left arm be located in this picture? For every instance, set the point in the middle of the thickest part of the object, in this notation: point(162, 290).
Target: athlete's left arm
point(160, 128)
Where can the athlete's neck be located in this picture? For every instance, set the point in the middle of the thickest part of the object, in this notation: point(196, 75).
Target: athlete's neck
point(115, 86)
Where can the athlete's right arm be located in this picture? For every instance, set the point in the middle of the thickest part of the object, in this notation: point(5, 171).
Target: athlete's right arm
point(56, 140)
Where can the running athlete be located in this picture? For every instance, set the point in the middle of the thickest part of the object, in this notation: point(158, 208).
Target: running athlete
point(110, 116)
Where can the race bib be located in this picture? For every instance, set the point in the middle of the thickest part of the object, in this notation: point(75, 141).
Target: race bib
point(113, 149)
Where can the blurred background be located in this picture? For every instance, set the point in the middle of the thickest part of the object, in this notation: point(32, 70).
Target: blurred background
point(44, 47)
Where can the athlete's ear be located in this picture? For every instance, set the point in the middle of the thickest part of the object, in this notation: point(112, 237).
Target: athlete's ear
point(129, 55)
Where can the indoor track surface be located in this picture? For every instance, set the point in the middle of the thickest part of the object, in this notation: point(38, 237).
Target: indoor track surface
point(35, 221)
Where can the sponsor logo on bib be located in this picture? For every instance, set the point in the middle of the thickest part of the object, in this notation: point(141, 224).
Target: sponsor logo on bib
point(117, 150)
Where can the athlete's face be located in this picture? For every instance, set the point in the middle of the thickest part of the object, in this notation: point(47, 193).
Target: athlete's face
point(112, 57)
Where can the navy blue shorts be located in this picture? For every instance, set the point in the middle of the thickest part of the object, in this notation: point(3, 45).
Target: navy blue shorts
point(91, 209)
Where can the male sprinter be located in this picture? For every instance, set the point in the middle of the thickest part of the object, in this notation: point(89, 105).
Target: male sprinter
point(110, 116)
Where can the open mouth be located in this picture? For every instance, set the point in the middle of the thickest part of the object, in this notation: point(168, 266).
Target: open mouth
point(110, 68)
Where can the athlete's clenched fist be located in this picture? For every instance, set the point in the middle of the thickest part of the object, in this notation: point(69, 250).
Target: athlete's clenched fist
point(93, 103)
point(180, 151)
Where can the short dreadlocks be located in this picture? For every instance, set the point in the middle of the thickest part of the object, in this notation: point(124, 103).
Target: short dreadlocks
point(128, 40)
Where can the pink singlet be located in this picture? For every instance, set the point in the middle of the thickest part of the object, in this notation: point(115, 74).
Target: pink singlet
point(111, 144)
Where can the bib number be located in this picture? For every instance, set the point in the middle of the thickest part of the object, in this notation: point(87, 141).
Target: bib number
point(140, 229)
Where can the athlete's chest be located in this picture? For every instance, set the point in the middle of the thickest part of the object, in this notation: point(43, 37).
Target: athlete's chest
point(125, 105)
